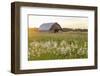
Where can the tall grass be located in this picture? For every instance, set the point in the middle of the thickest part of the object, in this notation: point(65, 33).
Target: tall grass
point(66, 45)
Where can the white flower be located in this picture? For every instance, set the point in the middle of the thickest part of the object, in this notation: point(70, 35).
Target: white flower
point(63, 43)
point(63, 50)
point(55, 45)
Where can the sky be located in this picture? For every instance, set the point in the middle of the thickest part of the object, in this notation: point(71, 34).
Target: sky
point(34, 21)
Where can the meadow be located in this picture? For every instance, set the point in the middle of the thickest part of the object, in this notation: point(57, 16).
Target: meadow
point(62, 45)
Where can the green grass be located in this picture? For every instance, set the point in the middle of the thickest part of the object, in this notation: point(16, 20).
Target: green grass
point(48, 46)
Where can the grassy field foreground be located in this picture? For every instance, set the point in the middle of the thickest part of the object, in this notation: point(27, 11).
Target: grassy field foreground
point(65, 45)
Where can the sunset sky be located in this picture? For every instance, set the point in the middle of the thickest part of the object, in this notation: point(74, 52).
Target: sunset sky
point(65, 22)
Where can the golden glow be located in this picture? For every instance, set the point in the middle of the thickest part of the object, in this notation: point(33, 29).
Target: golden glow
point(65, 22)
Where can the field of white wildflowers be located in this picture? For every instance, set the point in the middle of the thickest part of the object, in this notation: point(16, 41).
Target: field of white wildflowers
point(48, 46)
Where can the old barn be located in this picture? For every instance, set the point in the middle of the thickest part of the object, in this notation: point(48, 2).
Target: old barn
point(50, 27)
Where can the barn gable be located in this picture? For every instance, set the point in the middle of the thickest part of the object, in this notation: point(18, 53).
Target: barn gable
point(49, 26)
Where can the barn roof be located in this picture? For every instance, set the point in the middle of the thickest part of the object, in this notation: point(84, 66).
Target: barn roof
point(46, 26)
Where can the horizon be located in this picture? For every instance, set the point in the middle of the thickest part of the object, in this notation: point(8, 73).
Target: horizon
point(64, 22)
point(62, 28)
